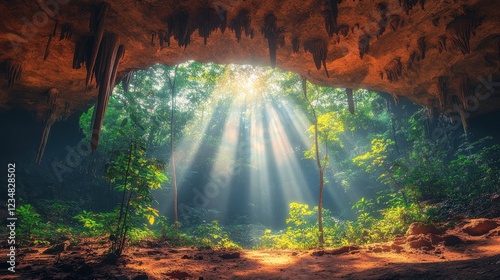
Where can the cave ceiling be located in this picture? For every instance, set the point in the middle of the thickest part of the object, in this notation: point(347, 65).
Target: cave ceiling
point(442, 54)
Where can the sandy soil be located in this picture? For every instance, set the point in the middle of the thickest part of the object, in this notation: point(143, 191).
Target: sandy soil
point(474, 258)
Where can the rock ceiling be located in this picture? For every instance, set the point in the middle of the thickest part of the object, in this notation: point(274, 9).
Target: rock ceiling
point(443, 54)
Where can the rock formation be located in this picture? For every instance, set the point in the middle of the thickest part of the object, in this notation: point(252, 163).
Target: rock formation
point(427, 51)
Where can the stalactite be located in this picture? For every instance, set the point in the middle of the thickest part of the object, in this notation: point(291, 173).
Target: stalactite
point(465, 122)
point(119, 56)
point(43, 141)
point(395, 98)
point(442, 44)
point(429, 105)
point(442, 94)
point(330, 14)
point(51, 37)
point(209, 21)
point(110, 53)
point(241, 23)
point(83, 47)
point(319, 49)
point(66, 31)
point(363, 45)
point(58, 110)
point(126, 80)
point(272, 33)
point(350, 100)
point(153, 37)
point(97, 22)
point(455, 102)
point(461, 28)
point(411, 60)
point(421, 47)
point(465, 91)
point(393, 69)
point(342, 29)
point(53, 94)
point(407, 5)
point(179, 26)
point(382, 9)
point(430, 114)
point(295, 44)
point(382, 23)
point(394, 22)
point(14, 70)
point(163, 37)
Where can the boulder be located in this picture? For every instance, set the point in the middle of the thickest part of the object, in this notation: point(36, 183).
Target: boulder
point(421, 228)
point(422, 242)
point(478, 227)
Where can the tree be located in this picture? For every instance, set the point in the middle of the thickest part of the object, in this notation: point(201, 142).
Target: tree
point(135, 176)
point(171, 81)
point(325, 128)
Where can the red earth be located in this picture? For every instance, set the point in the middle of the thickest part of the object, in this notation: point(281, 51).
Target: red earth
point(415, 256)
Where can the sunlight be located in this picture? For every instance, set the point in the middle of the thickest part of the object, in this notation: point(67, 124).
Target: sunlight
point(255, 127)
point(225, 160)
point(292, 179)
point(188, 147)
point(271, 259)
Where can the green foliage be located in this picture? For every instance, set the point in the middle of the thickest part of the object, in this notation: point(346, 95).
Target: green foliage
point(29, 221)
point(137, 234)
point(212, 235)
point(33, 229)
point(96, 224)
point(330, 127)
point(301, 232)
point(391, 221)
point(135, 177)
point(371, 226)
point(377, 156)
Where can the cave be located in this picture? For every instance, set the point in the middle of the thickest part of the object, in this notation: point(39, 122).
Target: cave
point(416, 80)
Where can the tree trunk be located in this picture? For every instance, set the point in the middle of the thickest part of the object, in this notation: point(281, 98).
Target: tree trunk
point(320, 209)
point(321, 238)
point(172, 150)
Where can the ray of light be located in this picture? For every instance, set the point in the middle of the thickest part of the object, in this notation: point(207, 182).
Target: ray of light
point(225, 160)
point(259, 178)
point(294, 185)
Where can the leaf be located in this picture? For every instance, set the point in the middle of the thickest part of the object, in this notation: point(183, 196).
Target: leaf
point(151, 219)
point(124, 122)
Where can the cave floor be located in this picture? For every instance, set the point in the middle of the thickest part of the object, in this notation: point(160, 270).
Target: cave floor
point(476, 258)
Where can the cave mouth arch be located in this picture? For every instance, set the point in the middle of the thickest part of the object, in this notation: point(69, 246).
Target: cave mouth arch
point(344, 44)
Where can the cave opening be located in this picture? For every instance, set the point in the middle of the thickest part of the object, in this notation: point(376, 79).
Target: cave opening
point(244, 142)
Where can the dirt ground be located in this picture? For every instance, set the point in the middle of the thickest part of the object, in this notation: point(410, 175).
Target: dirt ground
point(474, 257)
